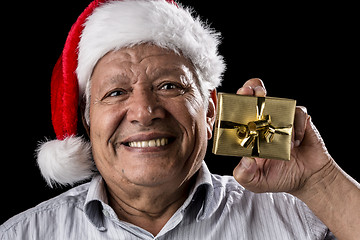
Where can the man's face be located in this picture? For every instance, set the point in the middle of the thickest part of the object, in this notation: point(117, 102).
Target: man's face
point(148, 123)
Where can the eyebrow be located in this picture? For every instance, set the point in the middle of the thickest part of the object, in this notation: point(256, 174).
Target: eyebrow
point(163, 71)
point(117, 78)
point(158, 72)
point(108, 82)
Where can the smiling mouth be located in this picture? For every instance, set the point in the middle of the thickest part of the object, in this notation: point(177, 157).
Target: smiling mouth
point(158, 142)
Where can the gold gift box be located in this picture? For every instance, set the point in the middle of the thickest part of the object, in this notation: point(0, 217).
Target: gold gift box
point(254, 126)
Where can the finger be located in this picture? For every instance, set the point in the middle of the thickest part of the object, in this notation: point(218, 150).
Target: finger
point(245, 171)
point(260, 91)
point(253, 87)
point(312, 136)
point(248, 91)
point(257, 85)
point(300, 121)
point(254, 82)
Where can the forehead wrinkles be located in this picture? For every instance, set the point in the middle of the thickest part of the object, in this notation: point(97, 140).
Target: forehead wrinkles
point(135, 64)
point(137, 54)
point(131, 57)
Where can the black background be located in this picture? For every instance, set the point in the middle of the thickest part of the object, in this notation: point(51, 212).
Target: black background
point(305, 52)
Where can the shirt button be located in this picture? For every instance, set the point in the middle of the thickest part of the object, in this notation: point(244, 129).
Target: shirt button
point(102, 229)
point(106, 213)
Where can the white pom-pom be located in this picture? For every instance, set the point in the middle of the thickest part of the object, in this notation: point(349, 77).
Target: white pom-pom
point(65, 162)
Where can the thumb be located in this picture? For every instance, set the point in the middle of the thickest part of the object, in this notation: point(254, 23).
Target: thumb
point(313, 146)
point(312, 136)
point(245, 171)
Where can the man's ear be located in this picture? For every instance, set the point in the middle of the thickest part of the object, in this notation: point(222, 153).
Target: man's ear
point(211, 113)
point(82, 111)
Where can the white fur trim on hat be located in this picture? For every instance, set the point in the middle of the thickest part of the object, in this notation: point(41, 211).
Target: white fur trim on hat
point(118, 24)
point(65, 162)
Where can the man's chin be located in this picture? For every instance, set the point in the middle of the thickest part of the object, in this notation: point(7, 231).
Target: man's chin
point(148, 179)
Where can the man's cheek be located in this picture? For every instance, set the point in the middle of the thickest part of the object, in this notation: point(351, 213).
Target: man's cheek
point(193, 103)
point(106, 119)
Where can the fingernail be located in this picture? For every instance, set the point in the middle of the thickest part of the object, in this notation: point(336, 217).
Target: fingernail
point(260, 91)
point(303, 108)
point(297, 143)
point(240, 90)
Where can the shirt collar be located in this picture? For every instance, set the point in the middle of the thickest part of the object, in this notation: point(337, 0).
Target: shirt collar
point(97, 200)
point(203, 190)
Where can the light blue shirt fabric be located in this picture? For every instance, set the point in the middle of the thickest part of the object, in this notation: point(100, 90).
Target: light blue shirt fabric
point(216, 208)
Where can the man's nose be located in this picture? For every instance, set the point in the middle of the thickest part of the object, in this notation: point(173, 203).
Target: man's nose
point(144, 108)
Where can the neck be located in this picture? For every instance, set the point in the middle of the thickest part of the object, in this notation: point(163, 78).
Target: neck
point(148, 208)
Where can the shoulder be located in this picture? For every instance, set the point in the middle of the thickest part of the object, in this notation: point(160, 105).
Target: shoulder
point(279, 209)
point(229, 187)
point(54, 210)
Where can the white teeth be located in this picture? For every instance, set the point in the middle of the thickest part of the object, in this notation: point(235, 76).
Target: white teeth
point(151, 143)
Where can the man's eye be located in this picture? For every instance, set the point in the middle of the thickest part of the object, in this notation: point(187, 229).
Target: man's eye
point(168, 86)
point(115, 93)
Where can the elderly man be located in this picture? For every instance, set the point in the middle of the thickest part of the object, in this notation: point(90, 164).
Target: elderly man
point(148, 71)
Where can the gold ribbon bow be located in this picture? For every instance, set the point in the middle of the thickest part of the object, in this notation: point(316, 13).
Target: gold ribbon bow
point(250, 134)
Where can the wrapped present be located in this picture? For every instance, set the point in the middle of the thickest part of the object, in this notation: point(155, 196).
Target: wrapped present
point(254, 126)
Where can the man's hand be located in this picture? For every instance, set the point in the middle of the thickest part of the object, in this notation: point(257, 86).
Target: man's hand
point(311, 174)
point(308, 155)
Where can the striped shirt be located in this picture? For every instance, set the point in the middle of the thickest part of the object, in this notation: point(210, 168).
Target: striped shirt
point(216, 208)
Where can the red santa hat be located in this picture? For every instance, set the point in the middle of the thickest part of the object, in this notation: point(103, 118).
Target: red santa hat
point(108, 25)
